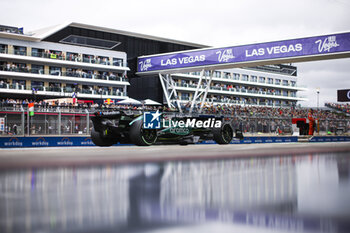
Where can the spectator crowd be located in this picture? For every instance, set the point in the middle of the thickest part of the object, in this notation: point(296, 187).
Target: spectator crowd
point(79, 106)
point(340, 107)
point(229, 110)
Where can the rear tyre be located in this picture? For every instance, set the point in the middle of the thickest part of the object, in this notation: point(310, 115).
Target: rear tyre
point(99, 141)
point(140, 136)
point(223, 135)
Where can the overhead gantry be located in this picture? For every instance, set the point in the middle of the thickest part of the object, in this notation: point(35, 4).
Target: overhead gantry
point(332, 46)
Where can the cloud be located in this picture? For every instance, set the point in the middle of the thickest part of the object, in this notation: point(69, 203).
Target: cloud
point(329, 76)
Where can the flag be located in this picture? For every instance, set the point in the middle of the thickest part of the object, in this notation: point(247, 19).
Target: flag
point(74, 96)
point(31, 109)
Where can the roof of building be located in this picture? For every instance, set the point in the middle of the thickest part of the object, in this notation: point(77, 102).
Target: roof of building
point(41, 34)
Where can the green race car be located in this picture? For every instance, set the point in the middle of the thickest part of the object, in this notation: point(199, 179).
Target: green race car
point(130, 127)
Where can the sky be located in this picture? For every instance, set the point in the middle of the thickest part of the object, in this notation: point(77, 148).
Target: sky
point(213, 23)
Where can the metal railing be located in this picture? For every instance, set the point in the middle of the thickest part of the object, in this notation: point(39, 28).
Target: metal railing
point(46, 121)
point(63, 91)
point(110, 77)
point(235, 78)
point(239, 90)
point(60, 56)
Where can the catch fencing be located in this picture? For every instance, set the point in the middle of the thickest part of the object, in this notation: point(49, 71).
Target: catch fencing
point(68, 120)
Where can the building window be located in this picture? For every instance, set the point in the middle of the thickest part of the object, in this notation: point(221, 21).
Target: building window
point(55, 70)
point(269, 80)
point(11, 29)
point(92, 42)
point(87, 74)
point(89, 58)
point(37, 69)
point(117, 61)
point(244, 77)
point(56, 87)
point(3, 83)
point(102, 90)
point(70, 87)
point(18, 82)
point(19, 67)
point(3, 48)
point(114, 76)
point(87, 89)
point(217, 74)
point(285, 82)
point(19, 50)
point(5, 66)
point(37, 86)
point(53, 54)
point(261, 79)
point(72, 56)
point(102, 60)
point(236, 76)
point(278, 81)
point(37, 52)
point(254, 79)
point(117, 91)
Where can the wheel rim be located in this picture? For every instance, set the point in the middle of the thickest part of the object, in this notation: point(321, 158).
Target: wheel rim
point(149, 135)
point(227, 133)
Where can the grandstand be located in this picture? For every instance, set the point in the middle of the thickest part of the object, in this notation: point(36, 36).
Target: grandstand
point(339, 107)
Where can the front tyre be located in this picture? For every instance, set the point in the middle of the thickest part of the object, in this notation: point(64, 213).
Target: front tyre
point(140, 136)
point(99, 141)
point(223, 135)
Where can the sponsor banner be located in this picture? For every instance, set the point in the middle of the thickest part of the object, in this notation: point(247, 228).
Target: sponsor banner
point(108, 101)
point(330, 139)
point(261, 139)
point(311, 46)
point(13, 142)
point(8, 142)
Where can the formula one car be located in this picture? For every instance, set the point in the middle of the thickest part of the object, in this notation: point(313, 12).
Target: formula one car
point(127, 127)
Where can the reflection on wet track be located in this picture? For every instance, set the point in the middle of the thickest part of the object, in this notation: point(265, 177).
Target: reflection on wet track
point(292, 194)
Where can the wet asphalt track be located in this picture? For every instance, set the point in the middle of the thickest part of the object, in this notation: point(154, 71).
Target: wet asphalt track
point(86, 156)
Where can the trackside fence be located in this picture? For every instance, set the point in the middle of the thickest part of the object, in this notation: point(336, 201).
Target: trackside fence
point(16, 120)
